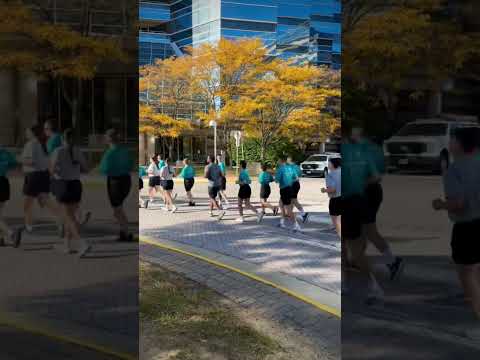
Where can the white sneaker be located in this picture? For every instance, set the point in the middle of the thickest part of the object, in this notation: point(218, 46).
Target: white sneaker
point(296, 227)
point(240, 220)
point(174, 209)
point(282, 225)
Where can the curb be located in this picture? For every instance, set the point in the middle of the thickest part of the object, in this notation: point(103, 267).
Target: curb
point(329, 309)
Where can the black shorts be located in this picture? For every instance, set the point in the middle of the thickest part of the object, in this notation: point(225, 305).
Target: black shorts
point(353, 209)
point(465, 245)
point(335, 206)
point(245, 192)
point(188, 183)
point(286, 195)
point(4, 189)
point(154, 181)
point(223, 185)
point(213, 191)
point(68, 191)
point(295, 189)
point(166, 185)
point(374, 198)
point(265, 191)
point(36, 183)
point(118, 188)
point(140, 183)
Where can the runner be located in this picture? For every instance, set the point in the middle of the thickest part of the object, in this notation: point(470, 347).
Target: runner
point(214, 175)
point(374, 198)
point(141, 174)
point(161, 164)
point(7, 162)
point(223, 187)
point(285, 178)
point(334, 191)
point(116, 165)
point(188, 175)
point(265, 178)
point(244, 194)
point(37, 178)
point(357, 170)
point(66, 164)
point(154, 179)
point(461, 184)
point(166, 181)
point(296, 188)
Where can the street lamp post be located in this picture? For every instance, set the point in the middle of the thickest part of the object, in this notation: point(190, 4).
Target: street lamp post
point(214, 125)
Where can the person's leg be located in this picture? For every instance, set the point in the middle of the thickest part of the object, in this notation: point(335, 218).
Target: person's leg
point(471, 284)
point(28, 203)
point(463, 275)
point(121, 218)
point(5, 229)
point(240, 207)
point(44, 200)
point(336, 223)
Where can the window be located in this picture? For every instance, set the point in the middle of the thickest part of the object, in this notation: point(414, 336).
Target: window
point(317, 158)
point(248, 25)
point(423, 130)
point(249, 12)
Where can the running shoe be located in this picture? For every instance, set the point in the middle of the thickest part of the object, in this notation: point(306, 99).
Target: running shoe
point(191, 203)
point(260, 217)
point(396, 268)
point(86, 219)
point(28, 228)
point(222, 214)
point(174, 209)
point(84, 250)
point(282, 225)
point(296, 228)
point(239, 220)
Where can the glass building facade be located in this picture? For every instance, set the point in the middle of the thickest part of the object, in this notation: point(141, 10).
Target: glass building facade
point(305, 30)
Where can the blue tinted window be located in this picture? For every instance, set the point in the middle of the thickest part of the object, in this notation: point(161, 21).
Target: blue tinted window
point(297, 10)
point(180, 24)
point(150, 11)
point(293, 21)
point(248, 25)
point(249, 12)
point(180, 5)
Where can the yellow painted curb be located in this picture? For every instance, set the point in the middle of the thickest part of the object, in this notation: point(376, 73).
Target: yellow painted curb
point(325, 308)
point(32, 329)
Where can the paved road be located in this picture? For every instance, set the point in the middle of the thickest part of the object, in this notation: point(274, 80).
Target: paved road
point(94, 299)
point(424, 316)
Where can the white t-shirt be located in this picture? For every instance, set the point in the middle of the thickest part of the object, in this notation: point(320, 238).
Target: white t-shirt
point(153, 170)
point(334, 180)
point(34, 152)
point(166, 173)
point(66, 168)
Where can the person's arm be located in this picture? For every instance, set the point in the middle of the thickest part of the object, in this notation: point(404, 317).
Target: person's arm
point(182, 173)
point(52, 164)
point(454, 197)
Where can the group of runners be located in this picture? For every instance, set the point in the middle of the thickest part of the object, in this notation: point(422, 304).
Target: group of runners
point(53, 163)
point(161, 173)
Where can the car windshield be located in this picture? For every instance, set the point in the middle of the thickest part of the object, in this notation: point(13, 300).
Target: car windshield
point(317, 158)
point(423, 130)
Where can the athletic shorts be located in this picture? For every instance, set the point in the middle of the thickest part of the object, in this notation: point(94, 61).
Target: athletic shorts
point(286, 195)
point(118, 188)
point(295, 189)
point(223, 185)
point(335, 206)
point(188, 183)
point(374, 198)
point(68, 191)
point(265, 191)
point(140, 184)
point(166, 185)
point(154, 181)
point(213, 191)
point(465, 245)
point(245, 192)
point(353, 209)
point(4, 189)
point(36, 183)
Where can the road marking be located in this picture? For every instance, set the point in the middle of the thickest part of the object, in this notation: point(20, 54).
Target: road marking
point(325, 308)
point(51, 334)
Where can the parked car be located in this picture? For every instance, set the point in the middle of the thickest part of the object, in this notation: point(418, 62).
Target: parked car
point(317, 164)
point(423, 144)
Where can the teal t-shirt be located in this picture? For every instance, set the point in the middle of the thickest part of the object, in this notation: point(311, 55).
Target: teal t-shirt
point(357, 168)
point(7, 161)
point(116, 161)
point(377, 155)
point(161, 164)
point(222, 167)
point(296, 171)
point(265, 178)
point(244, 178)
point(284, 176)
point(54, 142)
point(188, 172)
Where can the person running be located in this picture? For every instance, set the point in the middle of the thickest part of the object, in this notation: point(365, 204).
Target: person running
point(214, 175)
point(36, 186)
point(66, 165)
point(358, 169)
point(188, 175)
point(374, 199)
point(285, 178)
point(166, 181)
point(265, 178)
point(334, 190)
point(296, 188)
point(223, 187)
point(7, 163)
point(244, 194)
point(153, 178)
point(461, 183)
point(116, 165)
point(141, 174)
